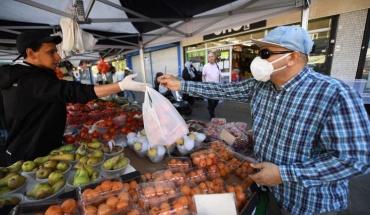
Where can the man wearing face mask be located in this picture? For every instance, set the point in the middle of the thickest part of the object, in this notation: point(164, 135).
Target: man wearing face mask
point(311, 131)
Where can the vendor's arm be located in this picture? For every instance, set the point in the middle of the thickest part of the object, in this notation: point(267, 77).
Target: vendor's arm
point(345, 137)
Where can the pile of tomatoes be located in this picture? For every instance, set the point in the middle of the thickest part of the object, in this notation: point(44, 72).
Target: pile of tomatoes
point(104, 112)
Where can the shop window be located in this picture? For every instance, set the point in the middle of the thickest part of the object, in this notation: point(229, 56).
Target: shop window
point(195, 47)
point(364, 61)
point(198, 59)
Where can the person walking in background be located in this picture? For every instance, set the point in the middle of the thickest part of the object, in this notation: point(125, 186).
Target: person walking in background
point(211, 74)
point(311, 131)
point(99, 78)
point(129, 93)
point(188, 74)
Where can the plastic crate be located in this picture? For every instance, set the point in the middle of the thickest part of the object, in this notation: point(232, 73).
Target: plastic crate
point(357, 84)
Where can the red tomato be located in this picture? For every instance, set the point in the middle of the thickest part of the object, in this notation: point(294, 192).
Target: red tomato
point(69, 139)
point(102, 124)
point(112, 130)
point(106, 136)
point(109, 123)
point(124, 130)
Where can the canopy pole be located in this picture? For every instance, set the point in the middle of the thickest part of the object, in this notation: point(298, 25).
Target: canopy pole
point(141, 52)
point(305, 14)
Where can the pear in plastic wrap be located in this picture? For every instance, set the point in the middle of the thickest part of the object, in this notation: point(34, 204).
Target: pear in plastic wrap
point(81, 177)
point(121, 163)
point(59, 185)
point(108, 164)
point(41, 191)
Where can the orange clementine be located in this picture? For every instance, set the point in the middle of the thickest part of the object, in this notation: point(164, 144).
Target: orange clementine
point(54, 210)
point(104, 209)
point(90, 210)
point(123, 196)
point(69, 206)
point(133, 212)
point(106, 185)
point(121, 205)
point(133, 184)
point(117, 186)
point(186, 190)
point(112, 201)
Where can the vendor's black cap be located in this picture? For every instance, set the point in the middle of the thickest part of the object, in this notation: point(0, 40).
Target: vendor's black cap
point(27, 38)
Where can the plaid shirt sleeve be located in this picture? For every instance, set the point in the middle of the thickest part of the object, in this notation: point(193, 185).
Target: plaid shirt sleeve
point(345, 137)
point(238, 91)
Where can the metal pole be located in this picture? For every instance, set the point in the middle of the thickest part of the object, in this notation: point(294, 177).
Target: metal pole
point(142, 60)
point(305, 15)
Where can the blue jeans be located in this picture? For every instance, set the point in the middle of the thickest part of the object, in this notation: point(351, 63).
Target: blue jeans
point(128, 93)
point(3, 130)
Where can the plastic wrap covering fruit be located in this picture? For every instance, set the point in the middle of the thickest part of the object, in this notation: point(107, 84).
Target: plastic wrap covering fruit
point(179, 204)
point(181, 163)
point(154, 191)
point(162, 174)
point(56, 206)
point(100, 190)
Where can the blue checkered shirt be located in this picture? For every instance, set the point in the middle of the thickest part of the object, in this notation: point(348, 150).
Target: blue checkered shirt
point(314, 127)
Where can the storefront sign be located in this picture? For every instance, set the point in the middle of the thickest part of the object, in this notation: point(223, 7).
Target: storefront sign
point(240, 29)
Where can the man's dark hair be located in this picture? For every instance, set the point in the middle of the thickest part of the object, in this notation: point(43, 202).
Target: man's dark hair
point(34, 46)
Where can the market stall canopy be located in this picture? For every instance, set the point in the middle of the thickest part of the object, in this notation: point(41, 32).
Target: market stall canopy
point(123, 25)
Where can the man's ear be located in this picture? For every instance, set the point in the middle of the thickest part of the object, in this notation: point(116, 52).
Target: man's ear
point(30, 53)
point(294, 57)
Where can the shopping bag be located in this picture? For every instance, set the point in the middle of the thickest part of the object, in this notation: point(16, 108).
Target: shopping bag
point(163, 124)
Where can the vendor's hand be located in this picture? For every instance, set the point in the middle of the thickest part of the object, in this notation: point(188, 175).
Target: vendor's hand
point(268, 175)
point(170, 82)
point(128, 84)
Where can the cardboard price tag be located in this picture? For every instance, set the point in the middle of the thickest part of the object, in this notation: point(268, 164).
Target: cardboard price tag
point(215, 204)
point(227, 137)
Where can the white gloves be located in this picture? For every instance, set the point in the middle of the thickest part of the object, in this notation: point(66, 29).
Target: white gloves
point(129, 84)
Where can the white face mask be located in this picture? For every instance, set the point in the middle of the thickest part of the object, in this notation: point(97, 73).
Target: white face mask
point(262, 69)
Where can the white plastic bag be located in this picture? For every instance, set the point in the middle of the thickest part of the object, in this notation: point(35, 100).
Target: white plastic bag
point(163, 124)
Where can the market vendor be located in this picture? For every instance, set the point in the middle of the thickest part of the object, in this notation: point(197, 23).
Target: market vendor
point(311, 131)
point(35, 99)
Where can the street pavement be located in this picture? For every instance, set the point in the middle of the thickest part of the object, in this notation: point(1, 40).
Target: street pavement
point(359, 187)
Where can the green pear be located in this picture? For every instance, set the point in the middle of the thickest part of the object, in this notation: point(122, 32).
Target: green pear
point(51, 164)
point(41, 160)
point(59, 185)
point(121, 163)
point(5, 190)
point(93, 161)
point(16, 181)
point(97, 153)
point(54, 152)
point(108, 164)
point(54, 177)
point(28, 166)
point(16, 167)
point(43, 172)
point(83, 159)
point(81, 150)
point(11, 176)
point(62, 166)
point(89, 169)
point(67, 148)
point(81, 177)
point(10, 200)
point(41, 191)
